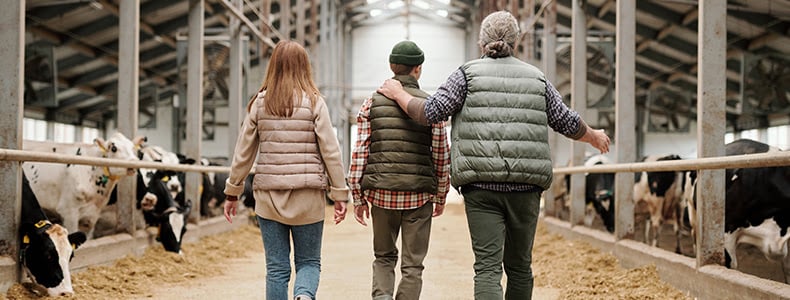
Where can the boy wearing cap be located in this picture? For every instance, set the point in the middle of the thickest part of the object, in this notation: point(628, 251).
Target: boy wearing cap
point(401, 169)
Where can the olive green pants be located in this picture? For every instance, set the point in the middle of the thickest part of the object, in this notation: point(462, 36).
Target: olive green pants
point(502, 227)
point(415, 224)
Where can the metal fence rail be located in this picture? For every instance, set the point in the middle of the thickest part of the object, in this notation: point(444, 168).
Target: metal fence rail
point(35, 156)
point(770, 159)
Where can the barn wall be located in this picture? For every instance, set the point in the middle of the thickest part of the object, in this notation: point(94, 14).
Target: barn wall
point(371, 45)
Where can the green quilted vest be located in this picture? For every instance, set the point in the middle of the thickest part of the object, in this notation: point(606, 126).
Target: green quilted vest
point(501, 133)
point(400, 149)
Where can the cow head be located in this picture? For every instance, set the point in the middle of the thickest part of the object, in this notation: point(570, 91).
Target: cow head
point(46, 251)
point(173, 226)
point(119, 147)
point(167, 215)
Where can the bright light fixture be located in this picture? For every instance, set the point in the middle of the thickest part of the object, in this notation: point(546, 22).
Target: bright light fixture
point(395, 4)
point(375, 12)
point(421, 4)
point(442, 13)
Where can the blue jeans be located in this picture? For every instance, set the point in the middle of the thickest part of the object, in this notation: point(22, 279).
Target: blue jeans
point(307, 257)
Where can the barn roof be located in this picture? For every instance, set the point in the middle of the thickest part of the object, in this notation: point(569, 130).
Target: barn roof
point(83, 38)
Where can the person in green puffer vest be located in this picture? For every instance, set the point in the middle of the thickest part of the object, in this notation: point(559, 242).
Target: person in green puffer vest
point(501, 108)
point(401, 169)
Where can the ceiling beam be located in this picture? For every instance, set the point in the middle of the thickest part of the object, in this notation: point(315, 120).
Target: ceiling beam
point(144, 26)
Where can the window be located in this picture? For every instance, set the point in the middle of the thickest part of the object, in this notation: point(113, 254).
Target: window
point(777, 136)
point(35, 130)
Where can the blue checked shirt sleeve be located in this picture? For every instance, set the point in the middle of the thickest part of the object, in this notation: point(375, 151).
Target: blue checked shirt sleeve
point(359, 156)
point(448, 100)
point(441, 161)
point(561, 118)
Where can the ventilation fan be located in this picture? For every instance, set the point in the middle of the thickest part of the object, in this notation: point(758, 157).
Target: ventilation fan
point(664, 111)
point(600, 73)
point(40, 75)
point(215, 84)
point(765, 84)
point(215, 81)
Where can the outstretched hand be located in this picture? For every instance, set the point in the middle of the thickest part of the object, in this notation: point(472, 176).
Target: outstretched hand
point(598, 139)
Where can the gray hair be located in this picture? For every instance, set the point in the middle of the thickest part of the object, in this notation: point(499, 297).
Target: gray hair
point(498, 34)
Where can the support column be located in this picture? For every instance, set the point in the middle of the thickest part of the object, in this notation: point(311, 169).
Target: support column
point(194, 103)
point(285, 19)
point(12, 74)
point(300, 22)
point(578, 103)
point(625, 116)
point(128, 101)
point(549, 58)
point(711, 90)
point(236, 105)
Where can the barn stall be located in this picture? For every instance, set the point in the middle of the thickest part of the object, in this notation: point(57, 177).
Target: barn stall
point(90, 65)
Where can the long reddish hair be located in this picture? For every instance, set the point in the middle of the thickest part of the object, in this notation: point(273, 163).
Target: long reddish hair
point(288, 76)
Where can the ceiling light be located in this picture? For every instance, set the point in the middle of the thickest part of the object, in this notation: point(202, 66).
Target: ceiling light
point(442, 13)
point(395, 4)
point(421, 4)
point(375, 12)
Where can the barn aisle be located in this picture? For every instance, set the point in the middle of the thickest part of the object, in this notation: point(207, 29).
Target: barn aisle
point(346, 271)
point(231, 266)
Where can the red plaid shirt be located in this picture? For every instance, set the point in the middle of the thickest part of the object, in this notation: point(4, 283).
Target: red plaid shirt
point(396, 199)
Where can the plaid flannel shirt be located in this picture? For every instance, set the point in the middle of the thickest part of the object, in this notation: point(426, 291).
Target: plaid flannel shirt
point(399, 200)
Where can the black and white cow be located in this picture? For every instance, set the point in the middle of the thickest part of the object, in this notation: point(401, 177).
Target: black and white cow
point(598, 195)
point(158, 208)
point(79, 192)
point(599, 192)
point(46, 248)
point(757, 207)
point(161, 210)
point(661, 192)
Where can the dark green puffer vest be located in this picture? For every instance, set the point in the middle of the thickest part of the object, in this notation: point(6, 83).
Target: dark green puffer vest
point(400, 149)
point(501, 133)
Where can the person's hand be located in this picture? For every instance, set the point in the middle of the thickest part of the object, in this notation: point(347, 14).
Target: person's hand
point(361, 212)
point(390, 88)
point(600, 140)
point(597, 138)
point(340, 211)
point(438, 209)
point(230, 207)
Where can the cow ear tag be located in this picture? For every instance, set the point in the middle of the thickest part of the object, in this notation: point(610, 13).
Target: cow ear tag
point(26, 239)
point(41, 223)
point(166, 179)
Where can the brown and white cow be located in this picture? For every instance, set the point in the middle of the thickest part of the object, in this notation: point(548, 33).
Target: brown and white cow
point(661, 192)
point(757, 207)
point(46, 248)
point(79, 192)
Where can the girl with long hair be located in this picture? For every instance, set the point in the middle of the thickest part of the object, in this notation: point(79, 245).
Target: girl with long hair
point(298, 162)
